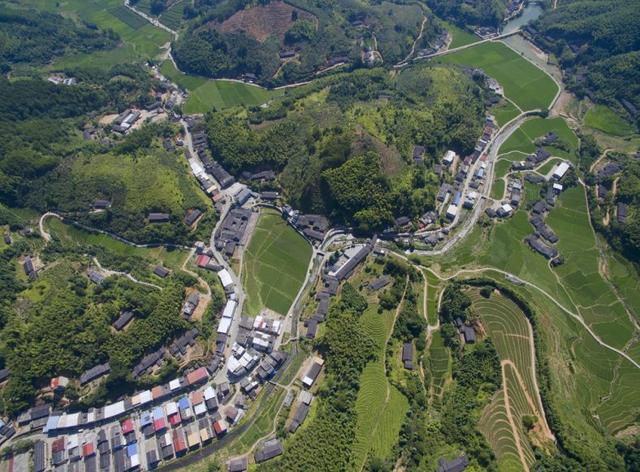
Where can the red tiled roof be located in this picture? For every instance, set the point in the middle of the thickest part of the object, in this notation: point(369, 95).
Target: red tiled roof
point(127, 426)
point(197, 376)
point(203, 260)
point(87, 450)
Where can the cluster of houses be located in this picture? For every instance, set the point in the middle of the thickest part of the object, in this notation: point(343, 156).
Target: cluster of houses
point(200, 145)
point(313, 227)
point(331, 278)
point(162, 423)
point(233, 230)
point(533, 160)
point(543, 239)
point(437, 44)
point(467, 332)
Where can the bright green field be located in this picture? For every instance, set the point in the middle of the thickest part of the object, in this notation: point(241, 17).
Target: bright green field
point(439, 366)
point(502, 168)
point(275, 265)
point(497, 189)
point(605, 119)
point(523, 139)
point(504, 112)
point(140, 40)
point(459, 37)
point(379, 419)
point(529, 87)
point(207, 94)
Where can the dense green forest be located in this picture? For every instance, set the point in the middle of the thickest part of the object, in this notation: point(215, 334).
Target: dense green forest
point(597, 43)
point(320, 34)
point(470, 12)
point(343, 146)
point(36, 37)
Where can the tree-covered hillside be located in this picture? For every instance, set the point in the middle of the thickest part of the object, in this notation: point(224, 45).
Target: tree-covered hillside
point(343, 146)
point(470, 12)
point(35, 37)
point(229, 39)
point(598, 45)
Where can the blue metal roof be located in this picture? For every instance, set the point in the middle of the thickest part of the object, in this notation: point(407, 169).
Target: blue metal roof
point(183, 403)
point(132, 449)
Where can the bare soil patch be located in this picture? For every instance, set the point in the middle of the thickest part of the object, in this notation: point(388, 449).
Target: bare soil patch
point(263, 21)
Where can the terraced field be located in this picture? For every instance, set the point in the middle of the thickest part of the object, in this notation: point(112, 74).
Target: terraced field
point(439, 362)
point(523, 139)
point(502, 420)
point(381, 407)
point(275, 264)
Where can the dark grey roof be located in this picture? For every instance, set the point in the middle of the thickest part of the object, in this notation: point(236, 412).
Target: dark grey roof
point(191, 216)
point(348, 267)
point(312, 328)
point(299, 416)
point(379, 283)
point(4, 374)
point(270, 450)
point(456, 465)
point(158, 217)
point(39, 449)
point(123, 319)
point(239, 464)
point(161, 271)
point(469, 334)
point(407, 352)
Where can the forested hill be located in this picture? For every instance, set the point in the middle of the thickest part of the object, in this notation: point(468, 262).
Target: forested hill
point(470, 12)
point(282, 42)
point(598, 45)
point(36, 37)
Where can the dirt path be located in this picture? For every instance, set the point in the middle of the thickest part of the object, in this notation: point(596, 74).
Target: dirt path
point(110, 272)
point(413, 46)
point(512, 423)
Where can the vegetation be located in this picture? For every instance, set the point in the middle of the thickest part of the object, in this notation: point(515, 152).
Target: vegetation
point(227, 40)
point(275, 265)
point(524, 84)
point(36, 37)
point(596, 42)
point(325, 442)
point(475, 12)
point(344, 151)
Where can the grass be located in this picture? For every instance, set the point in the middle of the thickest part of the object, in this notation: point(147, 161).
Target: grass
point(140, 40)
point(497, 189)
point(275, 264)
point(504, 112)
point(459, 37)
point(525, 84)
point(207, 94)
point(605, 119)
point(502, 168)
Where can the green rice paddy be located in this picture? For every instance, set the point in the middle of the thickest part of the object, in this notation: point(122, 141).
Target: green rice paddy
point(525, 84)
point(274, 265)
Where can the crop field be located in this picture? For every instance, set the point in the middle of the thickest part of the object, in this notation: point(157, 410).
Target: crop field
point(509, 329)
point(525, 84)
point(499, 431)
point(502, 168)
point(379, 416)
point(504, 112)
point(140, 40)
point(439, 362)
point(173, 16)
point(433, 292)
point(497, 189)
point(605, 119)
point(524, 138)
point(275, 264)
point(207, 94)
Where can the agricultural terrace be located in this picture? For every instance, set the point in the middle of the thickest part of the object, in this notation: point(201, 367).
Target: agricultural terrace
point(274, 264)
point(459, 36)
point(207, 94)
point(511, 333)
point(380, 406)
point(526, 85)
point(524, 138)
point(439, 366)
point(504, 112)
point(588, 376)
point(140, 40)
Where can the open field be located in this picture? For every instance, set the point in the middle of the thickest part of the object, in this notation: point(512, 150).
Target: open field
point(140, 40)
point(459, 37)
point(207, 94)
point(504, 112)
point(380, 406)
point(275, 265)
point(497, 189)
point(605, 119)
point(529, 87)
point(524, 138)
